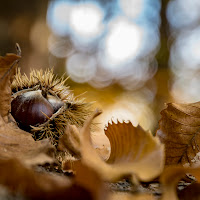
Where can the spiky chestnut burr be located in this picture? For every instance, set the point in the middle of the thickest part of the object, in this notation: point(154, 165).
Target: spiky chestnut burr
point(43, 105)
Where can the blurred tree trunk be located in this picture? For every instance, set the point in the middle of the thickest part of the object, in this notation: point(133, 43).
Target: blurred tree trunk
point(162, 76)
point(163, 53)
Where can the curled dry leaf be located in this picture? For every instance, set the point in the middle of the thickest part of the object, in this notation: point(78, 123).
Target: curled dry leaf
point(133, 151)
point(133, 145)
point(69, 148)
point(171, 176)
point(179, 130)
point(70, 141)
point(7, 68)
point(19, 179)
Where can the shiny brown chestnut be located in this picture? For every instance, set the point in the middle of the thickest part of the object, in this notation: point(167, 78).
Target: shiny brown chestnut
point(33, 108)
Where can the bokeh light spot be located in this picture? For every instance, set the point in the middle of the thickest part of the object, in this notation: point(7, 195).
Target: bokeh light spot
point(58, 17)
point(86, 20)
point(81, 67)
point(61, 48)
point(178, 10)
point(132, 8)
point(122, 42)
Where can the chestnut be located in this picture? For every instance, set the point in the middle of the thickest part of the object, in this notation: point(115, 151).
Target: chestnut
point(31, 108)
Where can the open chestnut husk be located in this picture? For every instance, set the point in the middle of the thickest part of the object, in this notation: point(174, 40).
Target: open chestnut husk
point(43, 105)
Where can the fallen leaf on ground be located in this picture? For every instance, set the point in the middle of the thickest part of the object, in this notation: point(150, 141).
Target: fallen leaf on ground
point(125, 196)
point(7, 68)
point(101, 142)
point(179, 130)
point(131, 144)
point(138, 153)
point(171, 176)
point(16, 143)
point(70, 144)
point(103, 152)
point(70, 141)
point(191, 192)
point(89, 178)
point(19, 179)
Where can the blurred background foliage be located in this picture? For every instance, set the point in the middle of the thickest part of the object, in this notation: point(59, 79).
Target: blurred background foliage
point(131, 56)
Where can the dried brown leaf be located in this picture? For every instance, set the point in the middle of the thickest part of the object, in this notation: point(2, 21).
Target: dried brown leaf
point(70, 144)
point(19, 179)
point(191, 192)
point(7, 69)
point(70, 141)
point(16, 143)
point(103, 152)
point(69, 164)
point(144, 160)
point(89, 178)
point(179, 130)
point(125, 196)
point(172, 175)
point(131, 144)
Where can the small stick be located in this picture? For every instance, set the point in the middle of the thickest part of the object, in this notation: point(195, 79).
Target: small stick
point(18, 49)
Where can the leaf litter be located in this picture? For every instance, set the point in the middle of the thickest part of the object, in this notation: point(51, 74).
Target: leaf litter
point(141, 159)
point(179, 131)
